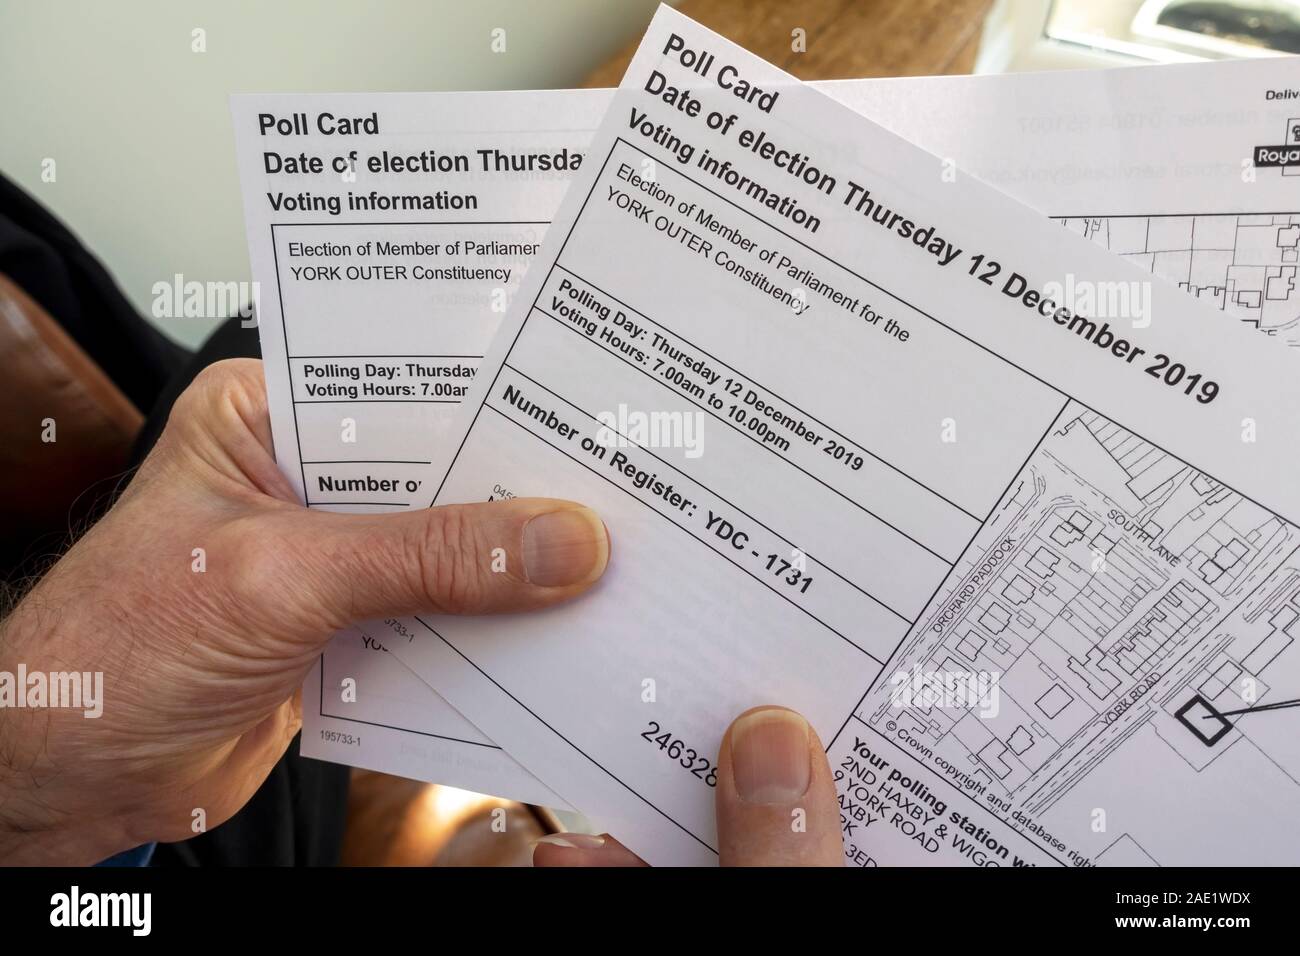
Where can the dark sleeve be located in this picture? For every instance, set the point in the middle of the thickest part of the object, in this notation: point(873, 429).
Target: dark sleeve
point(51, 265)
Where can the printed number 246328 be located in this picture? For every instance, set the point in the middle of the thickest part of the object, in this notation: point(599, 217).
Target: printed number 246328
point(675, 749)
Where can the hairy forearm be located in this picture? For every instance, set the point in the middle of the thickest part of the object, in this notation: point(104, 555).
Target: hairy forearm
point(38, 824)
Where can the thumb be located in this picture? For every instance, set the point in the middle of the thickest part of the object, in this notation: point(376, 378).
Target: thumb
point(330, 569)
point(776, 798)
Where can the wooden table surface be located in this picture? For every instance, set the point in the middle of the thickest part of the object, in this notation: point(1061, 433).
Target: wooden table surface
point(845, 39)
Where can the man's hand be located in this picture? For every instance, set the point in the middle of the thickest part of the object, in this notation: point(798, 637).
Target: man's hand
point(776, 802)
point(201, 667)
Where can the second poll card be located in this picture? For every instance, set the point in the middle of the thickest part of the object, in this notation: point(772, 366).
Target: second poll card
point(856, 420)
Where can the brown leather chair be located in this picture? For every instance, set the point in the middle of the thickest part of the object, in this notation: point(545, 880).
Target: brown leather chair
point(65, 428)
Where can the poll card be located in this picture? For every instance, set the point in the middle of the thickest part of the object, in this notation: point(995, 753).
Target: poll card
point(386, 235)
point(900, 430)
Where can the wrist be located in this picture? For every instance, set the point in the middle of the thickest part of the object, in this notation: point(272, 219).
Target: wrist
point(48, 814)
point(28, 839)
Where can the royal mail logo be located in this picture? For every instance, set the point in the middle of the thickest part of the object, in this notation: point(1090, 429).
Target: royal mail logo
point(1287, 155)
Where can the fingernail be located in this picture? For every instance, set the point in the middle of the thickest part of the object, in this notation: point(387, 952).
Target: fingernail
point(573, 841)
point(769, 756)
point(563, 548)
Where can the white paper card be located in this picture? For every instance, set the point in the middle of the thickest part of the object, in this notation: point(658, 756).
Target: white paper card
point(833, 326)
